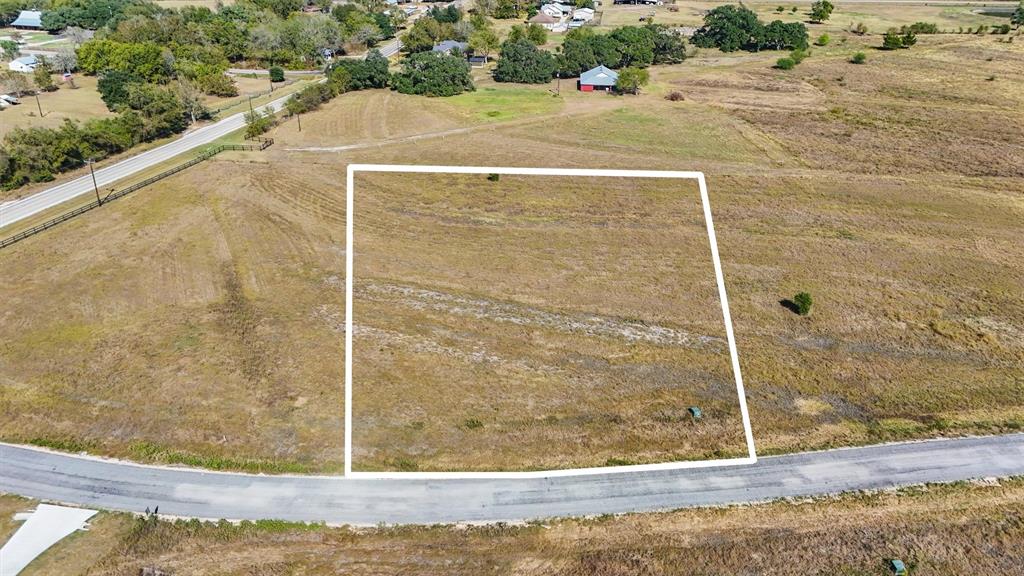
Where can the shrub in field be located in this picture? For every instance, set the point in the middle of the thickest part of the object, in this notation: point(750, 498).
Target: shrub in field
point(823, 40)
point(494, 177)
point(920, 28)
point(785, 64)
point(798, 55)
point(859, 29)
point(893, 40)
point(675, 96)
point(859, 58)
point(803, 303)
point(276, 74)
point(257, 123)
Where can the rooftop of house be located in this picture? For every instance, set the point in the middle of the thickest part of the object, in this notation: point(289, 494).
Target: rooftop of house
point(542, 18)
point(29, 19)
point(599, 76)
point(449, 45)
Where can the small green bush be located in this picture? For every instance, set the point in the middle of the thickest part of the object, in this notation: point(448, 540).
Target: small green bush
point(276, 74)
point(859, 58)
point(785, 63)
point(803, 302)
point(494, 177)
point(823, 40)
point(473, 424)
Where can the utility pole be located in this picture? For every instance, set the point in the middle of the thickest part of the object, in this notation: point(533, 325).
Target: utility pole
point(299, 118)
point(38, 105)
point(558, 83)
point(251, 113)
point(95, 188)
point(271, 77)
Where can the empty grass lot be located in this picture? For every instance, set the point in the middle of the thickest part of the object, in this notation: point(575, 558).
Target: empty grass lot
point(65, 103)
point(198, 321)
point(937, 531)
point(539, 322)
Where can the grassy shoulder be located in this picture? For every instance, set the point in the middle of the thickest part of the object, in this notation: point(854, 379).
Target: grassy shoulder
point(937, 530)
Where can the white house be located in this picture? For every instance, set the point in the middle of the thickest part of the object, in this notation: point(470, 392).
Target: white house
point(23, 64)
point(583, 14)
point(555, 10)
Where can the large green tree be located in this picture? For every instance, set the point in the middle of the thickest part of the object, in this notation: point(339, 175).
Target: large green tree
point(433, 74)
point(631, 79)
point(636, 44)
point(821, 10)
point(523, 62)
point(730, 28)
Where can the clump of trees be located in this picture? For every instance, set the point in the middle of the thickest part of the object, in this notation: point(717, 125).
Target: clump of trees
point(636, 46)
point(438, 25)
point(433, 74)
point(345, 76)
point(583, 49)
point(730, 28)
point(521, 61)
point(1017, 18)
point(146, 112)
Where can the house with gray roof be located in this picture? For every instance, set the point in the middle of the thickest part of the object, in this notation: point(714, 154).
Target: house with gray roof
point(29, 20)
point(450, 45)
point(599, 78)
point(24, 64)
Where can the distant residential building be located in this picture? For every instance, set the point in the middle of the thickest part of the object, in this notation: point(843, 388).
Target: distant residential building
point(583, 14)
point(23, 64)
point(29, 20)
point(448, 46)
point(599, 78)
point(555, 10)
point(547, 21)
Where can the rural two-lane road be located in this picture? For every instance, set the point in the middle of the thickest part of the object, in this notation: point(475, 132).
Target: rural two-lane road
point(20, 209)
point(183, 492)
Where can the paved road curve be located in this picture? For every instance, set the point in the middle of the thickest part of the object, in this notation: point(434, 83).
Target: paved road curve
point(20, 209)
point(181, 492)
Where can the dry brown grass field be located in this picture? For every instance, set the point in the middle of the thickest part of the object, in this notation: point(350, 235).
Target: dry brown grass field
point(938, 531)
point(198, 321)
point(536, 322)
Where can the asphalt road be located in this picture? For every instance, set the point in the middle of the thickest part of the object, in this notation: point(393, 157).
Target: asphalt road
point(117, 485)
point(20, 209)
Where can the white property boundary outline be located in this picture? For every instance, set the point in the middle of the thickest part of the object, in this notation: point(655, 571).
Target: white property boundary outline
point(584, 172)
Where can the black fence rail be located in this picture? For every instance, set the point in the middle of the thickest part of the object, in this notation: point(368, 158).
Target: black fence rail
point(259, 143)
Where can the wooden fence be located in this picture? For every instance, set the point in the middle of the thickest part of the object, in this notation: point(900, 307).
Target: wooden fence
point(260, 144)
